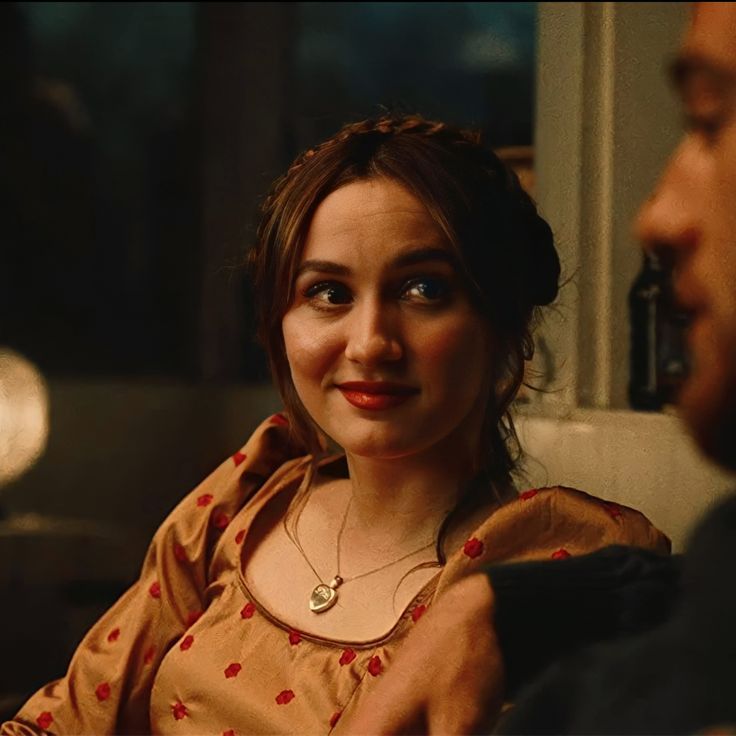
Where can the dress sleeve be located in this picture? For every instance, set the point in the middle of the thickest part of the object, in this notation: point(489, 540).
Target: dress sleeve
point(107, 687)
point(550, 524)
point(552, 595)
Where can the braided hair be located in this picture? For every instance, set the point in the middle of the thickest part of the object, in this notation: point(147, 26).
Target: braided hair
point(505, 249)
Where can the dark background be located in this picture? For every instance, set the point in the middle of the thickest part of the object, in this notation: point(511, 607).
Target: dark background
point(135, 142)
point(137, 138)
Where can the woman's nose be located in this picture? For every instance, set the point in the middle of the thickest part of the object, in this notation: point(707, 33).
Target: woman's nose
point(373, 335)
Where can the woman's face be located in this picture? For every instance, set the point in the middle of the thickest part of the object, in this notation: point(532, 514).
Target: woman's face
point(386, 352)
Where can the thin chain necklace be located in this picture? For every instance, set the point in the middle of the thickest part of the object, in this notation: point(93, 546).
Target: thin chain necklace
point(325, 595)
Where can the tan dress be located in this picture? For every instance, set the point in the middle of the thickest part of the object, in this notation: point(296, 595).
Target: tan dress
point(189, 650)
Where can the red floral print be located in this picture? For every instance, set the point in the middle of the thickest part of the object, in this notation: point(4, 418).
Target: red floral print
point(240, 536)
point(560, 554)
point(473, 548)
point(102, 691)
point(180, 553)
point(149, 655)
point(179, 710)
point(238, 458)
point(374, 666)
point(233, 670)
point(114, 635)
point(294, 638)
point(204, 500)
point(220, 520)
point(285, 697)
point(528, 494)
point(613, 509)
point(45, 720)
point(248, 610)
point(417, 613)
point(334, 719)
point(280, 419)
point(186, 642)
point(347, 656)
point(155, 590)
point(193, 617)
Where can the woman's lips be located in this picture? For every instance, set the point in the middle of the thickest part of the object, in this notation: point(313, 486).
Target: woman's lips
point(376, 396)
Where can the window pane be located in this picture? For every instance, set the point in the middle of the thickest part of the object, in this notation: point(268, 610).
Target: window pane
point(463, 62)
point(100, 203)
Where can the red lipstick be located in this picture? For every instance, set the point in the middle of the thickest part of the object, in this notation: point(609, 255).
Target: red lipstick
point(376, 395)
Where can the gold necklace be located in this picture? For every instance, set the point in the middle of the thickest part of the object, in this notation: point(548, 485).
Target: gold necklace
point(324, 596)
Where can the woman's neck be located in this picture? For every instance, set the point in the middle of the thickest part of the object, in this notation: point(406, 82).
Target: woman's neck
point(404, 499)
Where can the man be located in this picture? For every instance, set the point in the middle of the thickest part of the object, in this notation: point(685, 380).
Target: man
point(679, 676)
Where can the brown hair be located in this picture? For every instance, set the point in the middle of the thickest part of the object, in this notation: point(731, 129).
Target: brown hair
point(505, 249)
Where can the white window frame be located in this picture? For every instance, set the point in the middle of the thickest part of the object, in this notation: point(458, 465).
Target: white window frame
point(606, 121)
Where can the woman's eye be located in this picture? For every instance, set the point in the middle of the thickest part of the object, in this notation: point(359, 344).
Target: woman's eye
point(426, 289)
point(328, 293)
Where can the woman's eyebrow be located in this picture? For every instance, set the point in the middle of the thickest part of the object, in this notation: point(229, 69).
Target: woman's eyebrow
point(322, 267)
point(413, 257)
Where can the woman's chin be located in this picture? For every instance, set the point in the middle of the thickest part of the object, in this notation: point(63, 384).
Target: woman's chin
point(385, 445)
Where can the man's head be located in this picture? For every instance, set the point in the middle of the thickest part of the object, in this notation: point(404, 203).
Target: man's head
point(690, 221)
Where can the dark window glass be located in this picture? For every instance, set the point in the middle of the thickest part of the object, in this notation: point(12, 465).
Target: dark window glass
point(99, 195)
point(467, 63)
point(136, 139)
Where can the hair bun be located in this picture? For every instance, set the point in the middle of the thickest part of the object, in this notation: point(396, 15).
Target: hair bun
point(543, 264)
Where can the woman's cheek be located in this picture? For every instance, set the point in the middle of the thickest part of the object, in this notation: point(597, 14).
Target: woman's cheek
point(454, 344)
point(310, 349)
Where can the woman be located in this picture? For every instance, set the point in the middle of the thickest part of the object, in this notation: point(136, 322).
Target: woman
point(398, 269)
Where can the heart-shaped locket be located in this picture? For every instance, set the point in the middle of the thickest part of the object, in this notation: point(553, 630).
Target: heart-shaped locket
point(322, 599)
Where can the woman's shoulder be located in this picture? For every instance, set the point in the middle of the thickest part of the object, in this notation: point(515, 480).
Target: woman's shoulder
point(579, 521)
point(267, 460)
point(552, 523)
point(268, 448)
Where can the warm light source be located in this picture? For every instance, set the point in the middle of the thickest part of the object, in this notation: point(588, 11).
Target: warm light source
point(24, 415)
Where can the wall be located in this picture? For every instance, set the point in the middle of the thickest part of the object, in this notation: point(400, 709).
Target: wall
point(123, 453)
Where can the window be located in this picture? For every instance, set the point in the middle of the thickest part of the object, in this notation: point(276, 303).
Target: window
point(100, 205)
point(463, 62)
point(152, 129)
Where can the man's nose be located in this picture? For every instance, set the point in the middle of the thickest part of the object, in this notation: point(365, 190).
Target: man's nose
point(667, 221)
point(374, 334)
